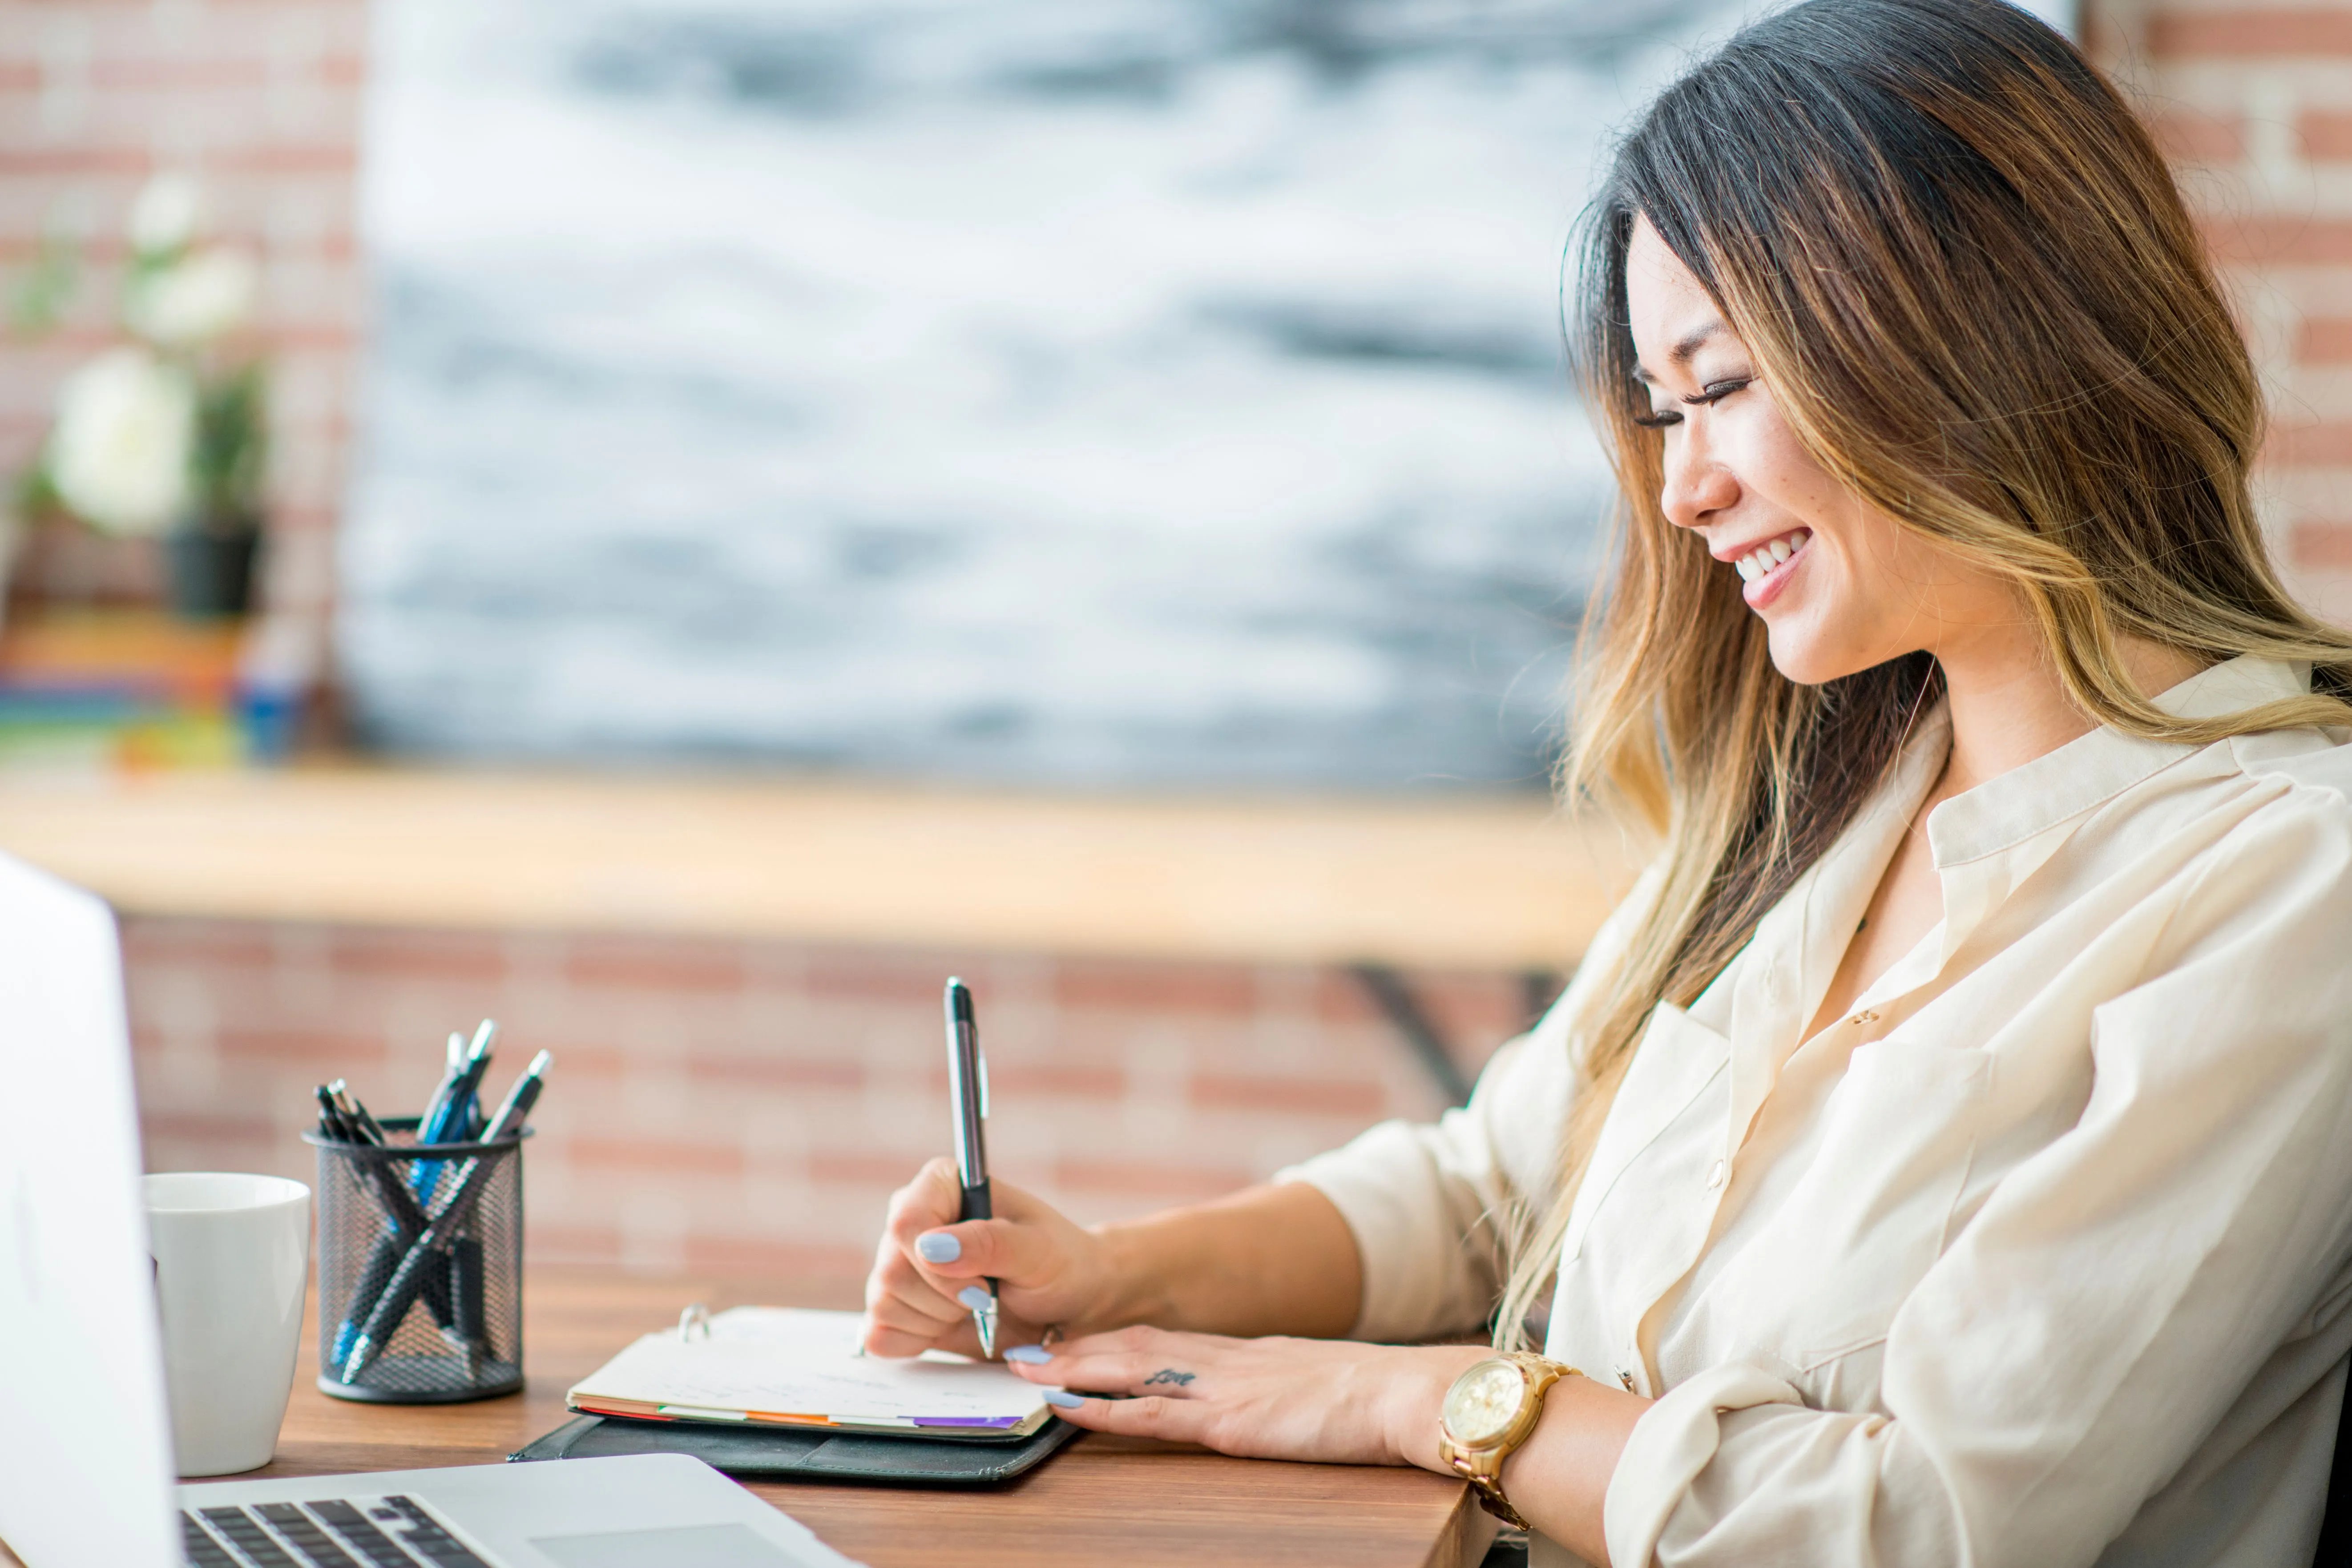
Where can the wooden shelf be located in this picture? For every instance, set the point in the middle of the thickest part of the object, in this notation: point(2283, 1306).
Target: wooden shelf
point(1475, 884)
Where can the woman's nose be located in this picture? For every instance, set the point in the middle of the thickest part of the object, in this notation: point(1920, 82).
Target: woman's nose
point(1697, 487)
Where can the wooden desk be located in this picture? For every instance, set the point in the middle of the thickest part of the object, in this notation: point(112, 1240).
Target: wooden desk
point(1100, 1500)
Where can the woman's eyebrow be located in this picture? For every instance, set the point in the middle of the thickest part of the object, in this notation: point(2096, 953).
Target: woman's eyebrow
point(1685, 346)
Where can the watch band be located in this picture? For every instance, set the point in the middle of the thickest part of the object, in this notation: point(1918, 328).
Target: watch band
point(1482, 1467)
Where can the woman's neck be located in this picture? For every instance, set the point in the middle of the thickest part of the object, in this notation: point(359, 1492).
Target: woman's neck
point(2007, 706)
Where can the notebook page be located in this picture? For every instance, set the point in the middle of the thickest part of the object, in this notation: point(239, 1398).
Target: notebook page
point(787, 1362)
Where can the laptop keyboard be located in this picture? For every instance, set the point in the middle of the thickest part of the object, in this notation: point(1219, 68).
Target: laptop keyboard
point(355, 1532)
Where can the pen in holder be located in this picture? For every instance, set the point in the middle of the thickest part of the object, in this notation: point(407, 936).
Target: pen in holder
point(420, 1268)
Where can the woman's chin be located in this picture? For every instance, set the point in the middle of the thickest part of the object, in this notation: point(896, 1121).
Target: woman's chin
point(1803, 656)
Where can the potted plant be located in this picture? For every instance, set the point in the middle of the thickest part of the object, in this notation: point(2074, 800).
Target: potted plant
point(165, 435)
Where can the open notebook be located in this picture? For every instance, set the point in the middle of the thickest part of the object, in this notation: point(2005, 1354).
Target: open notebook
point(791, 1367)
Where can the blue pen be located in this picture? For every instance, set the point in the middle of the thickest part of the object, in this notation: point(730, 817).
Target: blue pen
point(447, 1119)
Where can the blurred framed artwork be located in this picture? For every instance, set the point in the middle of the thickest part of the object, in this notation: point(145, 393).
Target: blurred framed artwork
point(1136, 392)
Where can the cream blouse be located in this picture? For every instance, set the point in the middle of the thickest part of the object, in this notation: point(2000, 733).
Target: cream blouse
point(2038, 1256)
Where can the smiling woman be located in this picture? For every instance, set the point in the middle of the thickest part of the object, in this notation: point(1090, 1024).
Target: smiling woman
point(1945, 1154)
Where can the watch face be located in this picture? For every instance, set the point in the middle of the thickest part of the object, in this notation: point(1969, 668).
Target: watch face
point(1481, 1404)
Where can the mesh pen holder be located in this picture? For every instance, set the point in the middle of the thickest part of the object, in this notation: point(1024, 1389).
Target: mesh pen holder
point(448, 1319)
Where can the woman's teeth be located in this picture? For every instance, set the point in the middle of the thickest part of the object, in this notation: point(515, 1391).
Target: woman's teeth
point(1766, 556)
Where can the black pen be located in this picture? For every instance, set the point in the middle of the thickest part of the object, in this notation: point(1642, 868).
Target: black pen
point(370, 1130)
point(968, 1081)
point(404, 1223)
point(400, 1291)
point(332, 1122)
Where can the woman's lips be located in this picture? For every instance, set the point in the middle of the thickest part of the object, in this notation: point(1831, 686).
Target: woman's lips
point(1765, 570)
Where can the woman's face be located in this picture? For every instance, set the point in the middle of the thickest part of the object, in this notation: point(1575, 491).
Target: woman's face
point(1841, 586)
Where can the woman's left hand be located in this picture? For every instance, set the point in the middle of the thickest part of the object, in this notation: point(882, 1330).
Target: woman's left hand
point(1328, 1400)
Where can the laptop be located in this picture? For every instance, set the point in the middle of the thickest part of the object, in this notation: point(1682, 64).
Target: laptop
point(86, 1472)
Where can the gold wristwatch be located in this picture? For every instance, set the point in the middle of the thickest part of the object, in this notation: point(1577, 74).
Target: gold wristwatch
point(1487, 1414)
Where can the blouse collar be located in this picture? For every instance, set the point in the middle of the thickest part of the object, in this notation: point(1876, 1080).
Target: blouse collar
point(2004, 812)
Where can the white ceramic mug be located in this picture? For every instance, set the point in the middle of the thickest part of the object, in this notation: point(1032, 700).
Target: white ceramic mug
point(231, 1254)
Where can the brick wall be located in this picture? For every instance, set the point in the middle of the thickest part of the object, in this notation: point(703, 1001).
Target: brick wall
point(260, 100)
point(2253, 99)
point(749, 1106)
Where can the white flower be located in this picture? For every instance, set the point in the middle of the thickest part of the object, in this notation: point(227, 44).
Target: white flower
point(193, 299)
point(126, 425)
point(164, 214)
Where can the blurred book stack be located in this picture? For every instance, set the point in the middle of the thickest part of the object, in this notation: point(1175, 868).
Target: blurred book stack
point(127, 690)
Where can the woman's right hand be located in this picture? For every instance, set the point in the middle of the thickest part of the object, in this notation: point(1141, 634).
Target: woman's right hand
point(1049, 1271)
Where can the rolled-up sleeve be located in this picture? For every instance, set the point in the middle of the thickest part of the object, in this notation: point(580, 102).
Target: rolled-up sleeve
point(1433, 1205)
point(2111, 1302)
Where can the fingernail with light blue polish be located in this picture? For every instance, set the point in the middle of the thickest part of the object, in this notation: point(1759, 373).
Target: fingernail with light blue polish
point(1035, 1355)
point(975, 1299)
point(938, 1247)
point(1063, 1399)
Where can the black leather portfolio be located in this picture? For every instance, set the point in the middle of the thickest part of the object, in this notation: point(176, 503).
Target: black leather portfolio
point(771, 1453)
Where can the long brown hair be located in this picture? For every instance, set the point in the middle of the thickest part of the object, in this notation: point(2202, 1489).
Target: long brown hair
point(1971, 284)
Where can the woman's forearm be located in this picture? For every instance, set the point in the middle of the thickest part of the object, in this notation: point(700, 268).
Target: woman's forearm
point(1270, 1260)
point(1560, 1477)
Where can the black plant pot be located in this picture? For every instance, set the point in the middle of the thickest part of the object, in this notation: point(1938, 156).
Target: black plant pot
point(210, 570)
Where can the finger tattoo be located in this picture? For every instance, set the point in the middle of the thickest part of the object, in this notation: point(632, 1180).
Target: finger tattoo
point(1169, 1374)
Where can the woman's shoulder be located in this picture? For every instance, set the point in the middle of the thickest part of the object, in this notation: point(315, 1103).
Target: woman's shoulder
point(2311, 766)
point(2270, 827)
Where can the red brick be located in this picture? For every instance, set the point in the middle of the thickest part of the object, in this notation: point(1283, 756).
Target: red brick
point(2311, 444)
point(479, 958)
point(1135, 1178)
point(874, 976)
point(575, 1061)
point(1046, 1080)
point(654, 965)
point(1328, 1097)
point(1226, 990)
point(2326, 135)
point(193, 1126)
point(2188, 136)
point(287, 158)
point(656, 1154)
point(1467, 1008)
point(159, 73)
point(261, 1156)
point(2322, 544)
point(2324, 340)
point(329, 1055)
point(859, 1169)
point(571, 1243)
point(69, 160)
point(845, 1267)
point(2249, 35)
point(787, 1071)
point(212, 944)
point(2281, 241)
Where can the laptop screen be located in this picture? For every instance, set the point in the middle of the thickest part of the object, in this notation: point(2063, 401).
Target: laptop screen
point(86, 1472)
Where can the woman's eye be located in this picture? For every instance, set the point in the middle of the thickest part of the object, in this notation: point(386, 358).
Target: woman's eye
point(1657, 418)
point(1716, 391)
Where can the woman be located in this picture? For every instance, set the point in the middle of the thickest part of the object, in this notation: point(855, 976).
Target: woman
point(1946, 1152)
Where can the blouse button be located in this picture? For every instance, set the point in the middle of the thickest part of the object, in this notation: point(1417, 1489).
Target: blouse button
point(1715, 1176)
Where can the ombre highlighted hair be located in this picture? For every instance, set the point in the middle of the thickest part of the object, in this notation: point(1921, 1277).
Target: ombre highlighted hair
point(1969, 279)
